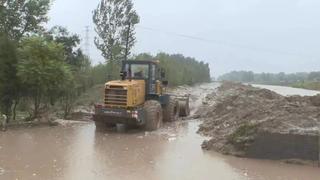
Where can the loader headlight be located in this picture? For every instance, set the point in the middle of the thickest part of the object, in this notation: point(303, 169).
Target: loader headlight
point(135, 114)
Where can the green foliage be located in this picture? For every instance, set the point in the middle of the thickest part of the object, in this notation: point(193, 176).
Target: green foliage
point(42, 70)
point(102, 73)
point(180, 70)
point(78, 63)
point(19, 17)
point(299, 80)
point(115, 22)
point(265, 78)
point(190, 70)
point(307, 85)
point(70, 42)
point(314, 76)
point(98, 74)
point(239, 76)
point(9, 83)
point(243, 136)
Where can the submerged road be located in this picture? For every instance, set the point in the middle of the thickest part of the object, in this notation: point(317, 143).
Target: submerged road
point(77, 152)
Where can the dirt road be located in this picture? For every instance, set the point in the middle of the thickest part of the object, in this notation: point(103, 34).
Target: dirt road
point(75, 152)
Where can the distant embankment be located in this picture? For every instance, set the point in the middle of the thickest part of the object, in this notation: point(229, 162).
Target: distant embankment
point(303, 80)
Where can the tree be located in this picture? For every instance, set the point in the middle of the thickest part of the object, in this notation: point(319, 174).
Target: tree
point(270, 78)
point(98, 74)
point(19, 17)
point(115, 22)
point(314, 76)
point(143, 56)
point(43, 72)
point(70, 43)
point(78, 63)
point(190, 70)
point(9, 82)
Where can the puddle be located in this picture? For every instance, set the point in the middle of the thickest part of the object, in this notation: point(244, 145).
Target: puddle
point(1, 171)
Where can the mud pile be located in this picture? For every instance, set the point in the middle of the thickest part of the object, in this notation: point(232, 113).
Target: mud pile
point(247, 121)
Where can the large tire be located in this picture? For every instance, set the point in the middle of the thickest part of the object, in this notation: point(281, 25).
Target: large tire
point(153, 115)
point(171, 110)
point(184, 108)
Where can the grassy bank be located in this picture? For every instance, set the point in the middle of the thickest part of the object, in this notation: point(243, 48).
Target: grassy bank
point(307, 85)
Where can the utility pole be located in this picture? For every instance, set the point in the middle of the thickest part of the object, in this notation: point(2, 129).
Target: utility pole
point(127, 41)
point(87, 41)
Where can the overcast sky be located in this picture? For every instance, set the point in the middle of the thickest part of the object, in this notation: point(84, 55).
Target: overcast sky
point(257, 35)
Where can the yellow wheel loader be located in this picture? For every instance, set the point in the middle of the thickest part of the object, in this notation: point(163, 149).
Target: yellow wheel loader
point(139, 98)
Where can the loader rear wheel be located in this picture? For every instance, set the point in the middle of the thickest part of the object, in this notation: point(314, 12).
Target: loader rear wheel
point(153, 115)
point(171, 110)
point(184, 108)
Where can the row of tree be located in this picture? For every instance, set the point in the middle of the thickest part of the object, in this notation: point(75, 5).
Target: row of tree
point(43, 68)
point(271, 78)
point(38, 67)
point(179, 70)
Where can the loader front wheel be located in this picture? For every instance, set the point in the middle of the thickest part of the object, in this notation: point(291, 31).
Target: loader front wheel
point(171, 110)
point(153, 115)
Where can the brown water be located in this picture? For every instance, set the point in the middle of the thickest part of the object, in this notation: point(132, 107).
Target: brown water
point(77, 152)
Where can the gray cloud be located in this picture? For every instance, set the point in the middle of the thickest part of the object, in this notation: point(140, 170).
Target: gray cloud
point(257, 35)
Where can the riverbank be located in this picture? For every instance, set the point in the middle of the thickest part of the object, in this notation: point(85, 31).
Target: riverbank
point(307, 85)
point(251, 122)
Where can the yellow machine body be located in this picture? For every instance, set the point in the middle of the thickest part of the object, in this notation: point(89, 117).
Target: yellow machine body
point(139, 98)
point(126, 94)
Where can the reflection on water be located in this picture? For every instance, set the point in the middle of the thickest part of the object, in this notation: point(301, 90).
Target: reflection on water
point(171, 153)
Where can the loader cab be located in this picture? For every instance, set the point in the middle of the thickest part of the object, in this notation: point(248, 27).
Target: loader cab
point(144, 70)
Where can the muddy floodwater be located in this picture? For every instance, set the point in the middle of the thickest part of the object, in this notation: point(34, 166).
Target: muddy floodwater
point(77, 152)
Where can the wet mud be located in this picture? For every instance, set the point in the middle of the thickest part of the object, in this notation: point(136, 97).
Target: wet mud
point(255, 122)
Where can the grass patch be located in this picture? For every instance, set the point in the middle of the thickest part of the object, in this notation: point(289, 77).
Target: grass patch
point(307, 85)
point(243, 136)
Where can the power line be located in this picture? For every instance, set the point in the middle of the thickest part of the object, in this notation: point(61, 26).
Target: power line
point(225, 43)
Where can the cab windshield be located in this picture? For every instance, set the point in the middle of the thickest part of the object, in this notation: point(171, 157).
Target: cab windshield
point(138, 71)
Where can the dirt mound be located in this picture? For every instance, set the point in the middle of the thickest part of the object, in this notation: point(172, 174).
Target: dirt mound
point(236, 115)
